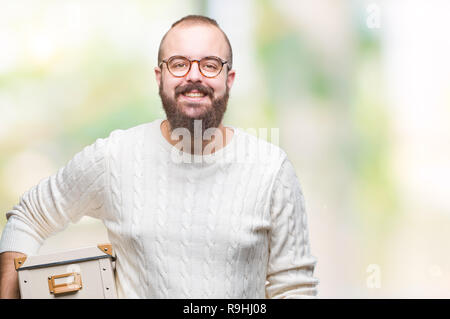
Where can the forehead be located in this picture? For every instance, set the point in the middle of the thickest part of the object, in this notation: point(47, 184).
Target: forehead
point(195, 41)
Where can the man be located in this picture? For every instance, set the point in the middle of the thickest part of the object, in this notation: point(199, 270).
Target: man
point(227, 221)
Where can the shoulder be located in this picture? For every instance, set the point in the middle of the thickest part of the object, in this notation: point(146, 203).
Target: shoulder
point(120, 141)
point(129, 133)
point(257, 150)
point(122, 138)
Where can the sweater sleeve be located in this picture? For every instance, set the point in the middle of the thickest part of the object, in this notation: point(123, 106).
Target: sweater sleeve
point(75, 190)
point(290, 265)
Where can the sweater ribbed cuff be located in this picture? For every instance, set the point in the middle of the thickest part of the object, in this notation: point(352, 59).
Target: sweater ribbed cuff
point(16, 237)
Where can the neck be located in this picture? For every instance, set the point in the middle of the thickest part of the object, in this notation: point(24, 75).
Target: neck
point(201, 145)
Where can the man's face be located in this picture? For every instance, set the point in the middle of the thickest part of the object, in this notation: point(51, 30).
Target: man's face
point(194, 42)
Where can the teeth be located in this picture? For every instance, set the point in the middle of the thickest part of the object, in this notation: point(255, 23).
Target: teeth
point(194, 94)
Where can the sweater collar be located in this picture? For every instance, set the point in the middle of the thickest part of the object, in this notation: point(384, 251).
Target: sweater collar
point(179, 156)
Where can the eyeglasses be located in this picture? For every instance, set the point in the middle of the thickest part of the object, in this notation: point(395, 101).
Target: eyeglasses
point(209, 66)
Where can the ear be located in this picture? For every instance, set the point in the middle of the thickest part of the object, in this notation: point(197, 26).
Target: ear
point(230, 78)
point(158, 76)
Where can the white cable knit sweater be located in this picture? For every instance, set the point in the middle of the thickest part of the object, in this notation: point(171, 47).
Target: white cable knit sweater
point(231, 226)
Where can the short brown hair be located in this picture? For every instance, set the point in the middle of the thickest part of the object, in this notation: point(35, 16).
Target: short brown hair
point(198, 19)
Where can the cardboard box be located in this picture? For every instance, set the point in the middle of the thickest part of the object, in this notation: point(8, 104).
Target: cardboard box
point(85, 273)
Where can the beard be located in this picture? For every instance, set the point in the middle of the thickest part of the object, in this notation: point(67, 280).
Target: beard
point(210, 118)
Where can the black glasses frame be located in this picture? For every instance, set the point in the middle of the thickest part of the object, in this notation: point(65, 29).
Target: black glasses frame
point(190, 65)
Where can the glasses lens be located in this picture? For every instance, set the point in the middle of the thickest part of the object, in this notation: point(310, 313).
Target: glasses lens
point(210, 66)
point(178, 66)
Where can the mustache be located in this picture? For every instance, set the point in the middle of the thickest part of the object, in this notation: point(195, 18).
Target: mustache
point(192, 86)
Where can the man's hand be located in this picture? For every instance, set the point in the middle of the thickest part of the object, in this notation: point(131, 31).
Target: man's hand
point(9, 283)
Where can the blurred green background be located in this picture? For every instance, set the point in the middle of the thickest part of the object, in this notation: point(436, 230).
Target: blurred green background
point(360, 92)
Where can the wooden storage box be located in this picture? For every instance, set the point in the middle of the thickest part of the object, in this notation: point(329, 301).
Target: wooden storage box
point(84, 273)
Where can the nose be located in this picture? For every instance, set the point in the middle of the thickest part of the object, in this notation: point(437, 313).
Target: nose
point(194, 74)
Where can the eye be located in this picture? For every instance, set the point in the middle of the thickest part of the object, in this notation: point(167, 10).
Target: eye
point(211, 66)
point(178, 64)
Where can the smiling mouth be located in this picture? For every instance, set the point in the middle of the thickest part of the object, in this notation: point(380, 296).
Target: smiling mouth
point(194, 96)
